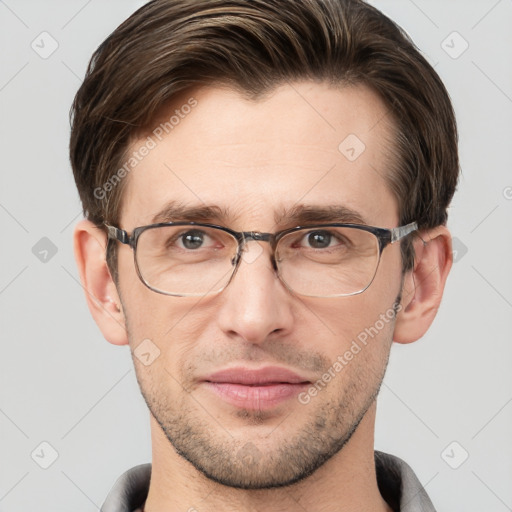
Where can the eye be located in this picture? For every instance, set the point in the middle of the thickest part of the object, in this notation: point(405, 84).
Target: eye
point(320, 239)
point(193, 239)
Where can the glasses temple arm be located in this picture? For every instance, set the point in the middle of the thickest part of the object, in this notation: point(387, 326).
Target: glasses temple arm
point(117, 234)
point(402, 231)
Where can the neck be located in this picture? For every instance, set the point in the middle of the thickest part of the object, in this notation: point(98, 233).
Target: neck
point(346, 482)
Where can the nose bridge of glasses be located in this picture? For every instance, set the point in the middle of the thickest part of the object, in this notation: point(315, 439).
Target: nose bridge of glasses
point(257, 236)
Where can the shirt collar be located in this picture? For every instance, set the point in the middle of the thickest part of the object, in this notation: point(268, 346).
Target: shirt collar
point(397, 483)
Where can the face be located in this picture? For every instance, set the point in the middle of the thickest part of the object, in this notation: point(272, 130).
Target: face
point(255, 161)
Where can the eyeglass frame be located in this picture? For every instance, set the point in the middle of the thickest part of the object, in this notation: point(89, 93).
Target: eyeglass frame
point(384, 236)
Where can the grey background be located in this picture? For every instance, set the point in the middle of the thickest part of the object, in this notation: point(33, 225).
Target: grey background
point(62, 384)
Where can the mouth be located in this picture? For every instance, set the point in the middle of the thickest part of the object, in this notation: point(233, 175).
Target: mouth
point(259, 389)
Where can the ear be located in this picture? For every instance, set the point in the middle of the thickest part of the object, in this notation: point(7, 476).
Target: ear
point(423, 286)
point(100, 290)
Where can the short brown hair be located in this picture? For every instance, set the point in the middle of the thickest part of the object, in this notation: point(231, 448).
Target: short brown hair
point(168, 46)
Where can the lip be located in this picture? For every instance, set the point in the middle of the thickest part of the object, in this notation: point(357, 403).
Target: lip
point(262, 376)
point(259, 389)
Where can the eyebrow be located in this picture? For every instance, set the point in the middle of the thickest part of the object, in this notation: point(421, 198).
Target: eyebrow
point(297, 215)
point(173, 211)
point(307, 214)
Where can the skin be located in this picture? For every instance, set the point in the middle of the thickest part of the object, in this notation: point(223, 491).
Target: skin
point(256, 157)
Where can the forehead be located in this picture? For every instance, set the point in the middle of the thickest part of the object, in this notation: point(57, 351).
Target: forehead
point(304, 145)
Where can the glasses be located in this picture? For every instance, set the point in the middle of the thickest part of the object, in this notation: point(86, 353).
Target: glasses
point(187, 259)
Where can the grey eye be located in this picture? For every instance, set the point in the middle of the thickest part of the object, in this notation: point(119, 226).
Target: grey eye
point(192, 239)
point(319, 239)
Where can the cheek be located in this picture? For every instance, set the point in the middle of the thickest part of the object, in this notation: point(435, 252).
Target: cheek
point(170, 330)
point(363, 361)
point(148, 313)
point(348, 318)
point(173, 324)
point(163, 338)
point(358, 331)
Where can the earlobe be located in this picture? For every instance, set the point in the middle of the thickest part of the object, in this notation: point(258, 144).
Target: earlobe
point(423, 286)
point(100, 290)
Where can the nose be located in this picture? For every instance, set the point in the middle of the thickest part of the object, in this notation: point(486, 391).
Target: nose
point(255, 304)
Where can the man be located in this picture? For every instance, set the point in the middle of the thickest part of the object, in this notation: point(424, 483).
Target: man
point(265, 186)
